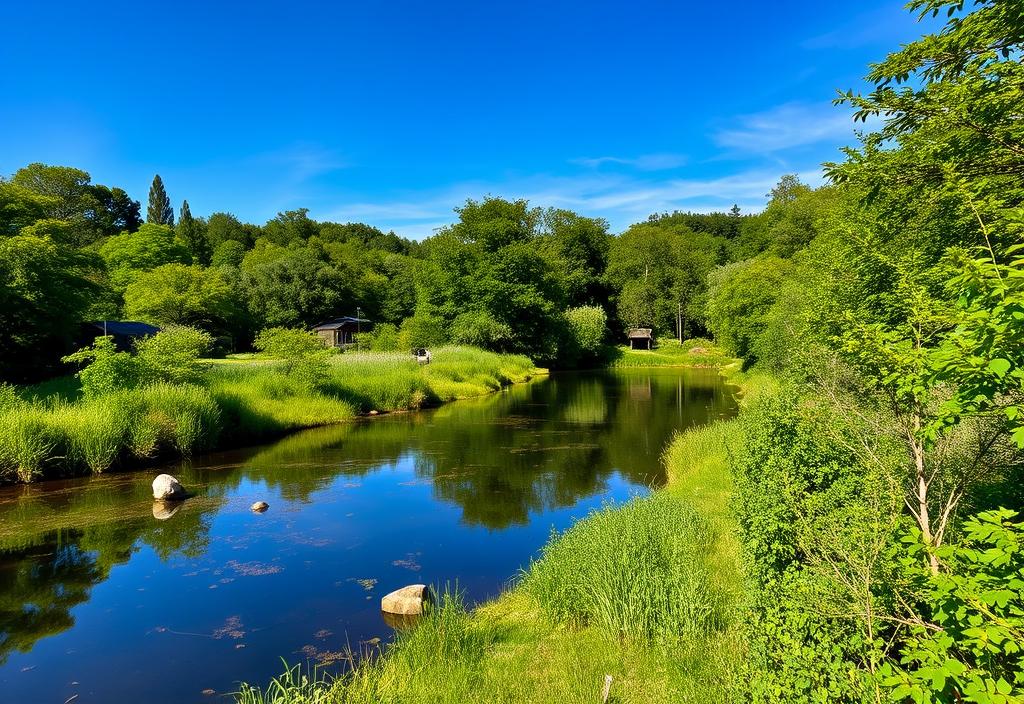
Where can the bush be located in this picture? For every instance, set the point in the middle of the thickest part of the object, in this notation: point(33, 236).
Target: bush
point(480, 329)
point(383, 338)
point(421, 330)
point(586, 327)
point(304, 354)
point(637, 570)
point(173, 355)
point(108, 370)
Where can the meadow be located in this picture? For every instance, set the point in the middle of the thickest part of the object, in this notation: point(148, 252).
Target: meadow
point(50, 430)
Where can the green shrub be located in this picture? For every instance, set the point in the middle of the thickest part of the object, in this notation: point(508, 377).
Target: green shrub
point(587, 327)
point(108, 370)
point(480, 329)
point(383, 338)
point(638, 570)
point(174, 354)
point(423, 329)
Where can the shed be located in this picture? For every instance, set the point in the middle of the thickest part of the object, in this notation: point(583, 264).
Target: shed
point(124, 332)
point(641, 338)
point(340, 332)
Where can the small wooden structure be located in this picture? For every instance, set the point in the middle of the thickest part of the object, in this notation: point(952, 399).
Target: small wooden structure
point(341, 332)
point(124, 332)
point(641, 338)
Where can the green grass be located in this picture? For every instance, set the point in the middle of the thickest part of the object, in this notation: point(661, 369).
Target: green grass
point(696, 352)
point(648, 592)
point(48, 430)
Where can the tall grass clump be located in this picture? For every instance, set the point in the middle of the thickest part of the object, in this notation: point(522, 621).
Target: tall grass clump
point(639, 570)
point(28, 441)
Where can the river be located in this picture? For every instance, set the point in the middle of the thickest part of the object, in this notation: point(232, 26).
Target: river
point(105, 596)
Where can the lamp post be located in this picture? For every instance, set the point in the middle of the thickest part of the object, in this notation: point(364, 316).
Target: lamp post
point(359, 314)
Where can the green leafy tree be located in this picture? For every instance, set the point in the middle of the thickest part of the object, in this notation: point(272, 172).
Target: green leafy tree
point(132, 252)
point(178, 294)
point(480, 329)
point(193, 233)
point(45, 290)
point(424, 329)
point(966, 643)
point(160, 211)
point(228, 253)
point(739, 299)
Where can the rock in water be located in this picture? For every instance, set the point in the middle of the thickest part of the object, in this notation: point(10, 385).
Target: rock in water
point(167, 488)
point(407, 601)
point(259, 506)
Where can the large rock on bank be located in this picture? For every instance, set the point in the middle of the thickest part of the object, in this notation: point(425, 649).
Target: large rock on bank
point(407, 601)
point(167, 488)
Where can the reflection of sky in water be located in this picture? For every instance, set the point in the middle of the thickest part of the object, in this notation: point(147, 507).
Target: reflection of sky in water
point(216, 593)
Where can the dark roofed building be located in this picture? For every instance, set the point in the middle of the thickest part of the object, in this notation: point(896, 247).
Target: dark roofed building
point(124, 332)
point(641, 338)
point(339, 332)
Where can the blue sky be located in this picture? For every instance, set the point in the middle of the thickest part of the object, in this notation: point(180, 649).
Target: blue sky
point(393, 113)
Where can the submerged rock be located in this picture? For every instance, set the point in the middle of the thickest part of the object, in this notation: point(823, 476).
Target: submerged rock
point(167, 488)
point(259, 507)
point(407, 601)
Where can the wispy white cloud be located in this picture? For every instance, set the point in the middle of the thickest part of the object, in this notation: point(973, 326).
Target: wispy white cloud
point(621, 199)
point(787, 126)
point(885, 26)
point(644, 162)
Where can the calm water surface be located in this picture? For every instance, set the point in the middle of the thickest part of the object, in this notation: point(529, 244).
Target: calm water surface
point(105, 597)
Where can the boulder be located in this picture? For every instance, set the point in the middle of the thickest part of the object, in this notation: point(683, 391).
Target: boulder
point(259, 507)
point(407, 601)
point(167, 488)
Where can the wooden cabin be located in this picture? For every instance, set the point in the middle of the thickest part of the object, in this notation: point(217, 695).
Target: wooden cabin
point(641, 338)
point(341, 332)
point(124, 332)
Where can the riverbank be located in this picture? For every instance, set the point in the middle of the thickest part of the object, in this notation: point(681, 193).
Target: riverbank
point(648, 592)
point(51, 432)
point(695, 352)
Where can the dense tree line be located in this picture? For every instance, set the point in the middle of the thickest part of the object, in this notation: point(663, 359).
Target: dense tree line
point(504, 275)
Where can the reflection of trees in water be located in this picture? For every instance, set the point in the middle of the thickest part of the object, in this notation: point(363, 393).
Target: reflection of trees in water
point(528, 449)
point(48, 568)
point(531, 448)
point(38, 588)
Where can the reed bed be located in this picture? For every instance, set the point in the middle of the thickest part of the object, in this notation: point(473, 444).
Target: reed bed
point(49, 431)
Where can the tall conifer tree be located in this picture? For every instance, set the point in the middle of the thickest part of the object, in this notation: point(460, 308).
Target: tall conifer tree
point(160, 211)
point(193, 233)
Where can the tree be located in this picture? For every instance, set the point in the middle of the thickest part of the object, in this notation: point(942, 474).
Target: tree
point(174, 355)
point(193, 233)
point(131, 252)
point(159, 211)
point(178, 294)
point(44, 291)
point(739, 298)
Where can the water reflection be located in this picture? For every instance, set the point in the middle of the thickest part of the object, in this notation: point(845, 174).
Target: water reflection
point(466, 492)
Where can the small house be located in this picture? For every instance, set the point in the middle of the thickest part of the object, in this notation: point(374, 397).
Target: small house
point(341, 332)
point(641, 338)
point(124, 332)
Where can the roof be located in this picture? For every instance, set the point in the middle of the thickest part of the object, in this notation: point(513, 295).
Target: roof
point(129, 328)
point(336, 323)
point(639, 333)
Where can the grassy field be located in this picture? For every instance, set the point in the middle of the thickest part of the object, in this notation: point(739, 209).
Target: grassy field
point(647, 592)
point(696, 352)
point(49, 430)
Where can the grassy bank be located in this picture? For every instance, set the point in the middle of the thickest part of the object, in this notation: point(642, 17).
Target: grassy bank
point(695, 352)
point(647, 592)
point(49, 431)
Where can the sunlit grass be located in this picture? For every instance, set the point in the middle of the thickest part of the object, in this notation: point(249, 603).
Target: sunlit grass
point(696, 352)
point(47, 430)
